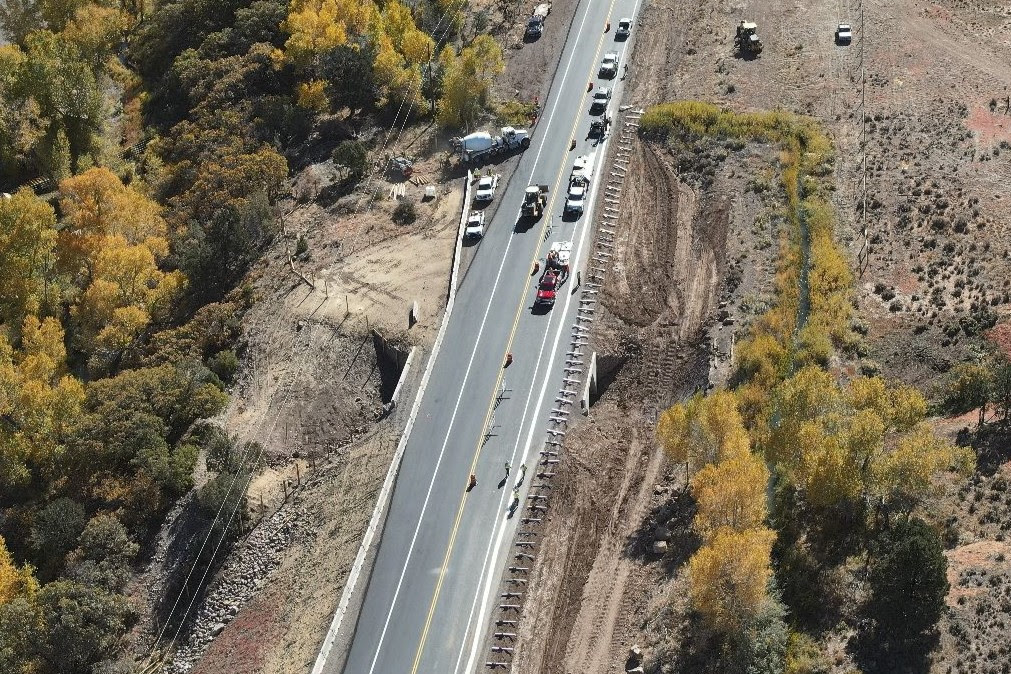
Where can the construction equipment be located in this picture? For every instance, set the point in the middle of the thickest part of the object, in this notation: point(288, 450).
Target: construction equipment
point(400, 166)
point(582, 169)
point(535, 25)
point(746, 40)
point(598, 127)
point(535, 198)
point(482, 144)
point(556, 272)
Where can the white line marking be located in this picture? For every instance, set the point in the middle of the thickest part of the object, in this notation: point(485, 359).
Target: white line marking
point(456, 407)
point(499, 530)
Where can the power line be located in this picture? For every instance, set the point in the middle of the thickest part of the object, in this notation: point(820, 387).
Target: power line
point(248, 446)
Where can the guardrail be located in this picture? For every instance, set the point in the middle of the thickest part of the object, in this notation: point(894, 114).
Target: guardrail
point(385, 494)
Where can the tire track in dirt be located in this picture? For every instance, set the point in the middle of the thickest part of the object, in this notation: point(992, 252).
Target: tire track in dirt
point(591, 647)
point(636, 291)
point(585, 588)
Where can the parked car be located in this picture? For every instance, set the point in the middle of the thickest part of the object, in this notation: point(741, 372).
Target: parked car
point(624, 29)
point(576, 198)
point(609, 65)
point(843, 34)
point(601, 98)
point(474, 229)
point(486, 188)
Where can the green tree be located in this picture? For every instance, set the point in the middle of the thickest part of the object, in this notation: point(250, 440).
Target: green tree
point(766, 639)
point(350, 80)
point(353, 157)
point(908, 581)
point(217, 252)
point(61, 82)
point(224, 364)
point(84, 625)
point(55, 529)
point(104, 555)
point(18, 18)
point(260, 22)
point(21, 631)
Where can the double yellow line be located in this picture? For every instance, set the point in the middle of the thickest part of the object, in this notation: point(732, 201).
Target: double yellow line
point(498, 381)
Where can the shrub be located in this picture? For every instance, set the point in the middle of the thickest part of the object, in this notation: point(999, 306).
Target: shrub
point(514, 113)
point(405, 213)
point(908, 581)
point(224, 364)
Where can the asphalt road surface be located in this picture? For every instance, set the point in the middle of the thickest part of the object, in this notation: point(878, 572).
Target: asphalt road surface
point(443, 549)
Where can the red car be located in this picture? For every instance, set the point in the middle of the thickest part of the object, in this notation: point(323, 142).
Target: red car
point(550, 282)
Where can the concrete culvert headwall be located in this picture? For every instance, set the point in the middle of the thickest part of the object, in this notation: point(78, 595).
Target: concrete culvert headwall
point(608, 368)
point(391, 356)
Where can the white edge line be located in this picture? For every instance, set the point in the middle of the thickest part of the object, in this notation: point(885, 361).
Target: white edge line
point(588, 225)
point(394, 469)
point(484, 613)
point(466, 376)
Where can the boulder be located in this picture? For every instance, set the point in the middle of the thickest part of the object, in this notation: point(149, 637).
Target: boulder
point(635, 670)
point(659, 547)
point(635, 653)
point(216, 630)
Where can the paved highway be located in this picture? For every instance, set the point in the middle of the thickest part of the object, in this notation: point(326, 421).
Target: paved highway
point(443, 549)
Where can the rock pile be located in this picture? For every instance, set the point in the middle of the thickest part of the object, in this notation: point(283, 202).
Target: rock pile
point(241, 577)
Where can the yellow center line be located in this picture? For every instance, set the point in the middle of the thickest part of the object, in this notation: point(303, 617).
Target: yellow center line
point(491, 404)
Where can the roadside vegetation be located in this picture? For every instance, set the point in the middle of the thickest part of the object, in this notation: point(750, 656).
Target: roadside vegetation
point(806, 475)
point(144, 148)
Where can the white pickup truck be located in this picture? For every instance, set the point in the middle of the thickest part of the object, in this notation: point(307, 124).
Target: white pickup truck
point(582, 169)
point(486, 189)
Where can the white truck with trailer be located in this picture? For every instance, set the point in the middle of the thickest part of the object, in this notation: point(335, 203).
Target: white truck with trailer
point(582, 169)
